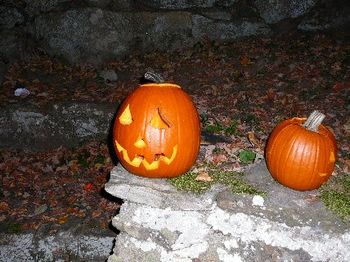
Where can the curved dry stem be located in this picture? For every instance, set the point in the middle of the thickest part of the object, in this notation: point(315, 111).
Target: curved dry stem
point(314, 120)
point(153, 77)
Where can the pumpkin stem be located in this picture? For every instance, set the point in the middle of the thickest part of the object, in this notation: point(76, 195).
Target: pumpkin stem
point(313, 121)
point(153, 77)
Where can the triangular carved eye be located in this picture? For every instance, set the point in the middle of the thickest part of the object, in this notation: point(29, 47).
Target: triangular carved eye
point(158, 121)
point(126, 118)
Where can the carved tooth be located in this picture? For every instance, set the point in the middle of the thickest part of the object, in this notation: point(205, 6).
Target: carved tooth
point(150, 166)
point(137, 160)
point(119, 147)
point(171, 159)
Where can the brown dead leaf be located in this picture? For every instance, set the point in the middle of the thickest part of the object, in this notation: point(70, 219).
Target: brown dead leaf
point(63, 219)
point(62, 169)
point(72, 199)
point(43, 94)
point(74, 166)
point(3, 206)
point(80, 213)
point(219, 158)
point(103, 224)
point(245, 61)
point(204, 176)
point(98, 165)
point(347, 128)
point(346, 168)
point(271, 94)
point(341, 86)
point(96, 213)
point(252, 139)
point(30, 226)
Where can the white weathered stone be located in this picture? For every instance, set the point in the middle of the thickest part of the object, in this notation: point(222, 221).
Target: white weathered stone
point(154, 192)
point(34, 247)
point(262, 229)
point(258, 201)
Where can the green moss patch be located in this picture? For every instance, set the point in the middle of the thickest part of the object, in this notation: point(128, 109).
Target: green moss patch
point(233, 180)
point(187, 182)
point(214, 126)
point(336, 195)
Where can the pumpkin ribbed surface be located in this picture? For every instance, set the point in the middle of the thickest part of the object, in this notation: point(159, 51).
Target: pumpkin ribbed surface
point(300, 158)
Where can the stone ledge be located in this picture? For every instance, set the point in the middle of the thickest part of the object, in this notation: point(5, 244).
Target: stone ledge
point(282, 226)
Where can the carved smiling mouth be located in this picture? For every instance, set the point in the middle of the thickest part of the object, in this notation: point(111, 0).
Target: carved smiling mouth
point(139, 159)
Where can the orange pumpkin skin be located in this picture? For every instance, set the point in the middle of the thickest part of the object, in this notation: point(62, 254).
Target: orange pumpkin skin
point(162, 138)
point(299, 158)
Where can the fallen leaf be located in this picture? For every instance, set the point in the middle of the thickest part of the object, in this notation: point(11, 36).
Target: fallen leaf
point(88, 187)
point(74, 166)
point(252, 139)
point(40, 209)
point(341, 86)
point(96, 213)
point(244, 61)
point(204, 176)
point(63, 168)
point(271, 94)
point(347, 128)
point(63, 219)
point(4, 206)
point(347, 166)
point(43, 94)
point(218, 158)
point(98, 165)
point(80, 213)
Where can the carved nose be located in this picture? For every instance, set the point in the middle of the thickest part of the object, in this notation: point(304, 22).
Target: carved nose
point(140, 143)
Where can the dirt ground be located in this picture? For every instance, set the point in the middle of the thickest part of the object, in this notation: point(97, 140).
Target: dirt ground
point(240, 88)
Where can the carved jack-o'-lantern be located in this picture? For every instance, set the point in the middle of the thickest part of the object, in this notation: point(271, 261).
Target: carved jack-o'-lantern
point(157, 131)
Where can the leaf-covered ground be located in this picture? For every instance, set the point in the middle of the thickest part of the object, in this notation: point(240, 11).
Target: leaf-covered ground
point(55, 187)
point(242, 90)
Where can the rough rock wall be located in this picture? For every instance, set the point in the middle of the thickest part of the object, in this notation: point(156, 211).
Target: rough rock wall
point(69, 124)
point(94, 31)
point(159, 223)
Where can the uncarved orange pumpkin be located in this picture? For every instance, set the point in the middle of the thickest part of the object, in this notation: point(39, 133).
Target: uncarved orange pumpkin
point(301, 153)
point(157, 131)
